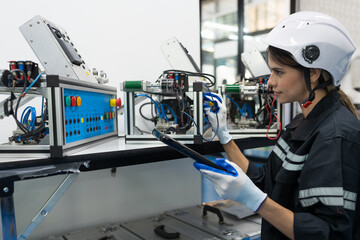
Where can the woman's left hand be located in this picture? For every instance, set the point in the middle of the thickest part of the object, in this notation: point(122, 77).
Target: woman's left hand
point(235, 185)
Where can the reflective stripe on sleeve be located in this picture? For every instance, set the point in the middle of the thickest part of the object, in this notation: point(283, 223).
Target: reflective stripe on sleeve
point(321, 191)
point(283, 144)
point(292, 167)
point(329, 196)
point(349, 205)
point(279, 153)
point(350, 195)
point(291, 161)
point(296, 158)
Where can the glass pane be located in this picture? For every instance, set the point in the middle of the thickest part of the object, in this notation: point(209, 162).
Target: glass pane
point(219, 33)
point(261, 15)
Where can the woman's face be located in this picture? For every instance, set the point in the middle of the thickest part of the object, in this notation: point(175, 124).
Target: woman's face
point(288, 83)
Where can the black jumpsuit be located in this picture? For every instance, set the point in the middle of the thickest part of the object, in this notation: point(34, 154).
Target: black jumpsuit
point(314, 171)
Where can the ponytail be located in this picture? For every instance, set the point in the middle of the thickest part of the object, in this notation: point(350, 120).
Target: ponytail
point(344, 99)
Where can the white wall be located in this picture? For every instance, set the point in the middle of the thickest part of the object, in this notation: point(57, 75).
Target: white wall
point(121, 37)
point(347, 12)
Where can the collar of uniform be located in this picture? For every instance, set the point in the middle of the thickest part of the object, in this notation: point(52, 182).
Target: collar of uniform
point(305, 126)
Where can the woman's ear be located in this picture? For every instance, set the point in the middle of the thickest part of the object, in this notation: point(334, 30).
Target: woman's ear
point(314, 74)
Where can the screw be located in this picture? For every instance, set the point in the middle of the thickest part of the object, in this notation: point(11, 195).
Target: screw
point(44, 212)
point(45, 62)
point(6, 189)
point(38, 22)
point(86, 165)
point(30, 25)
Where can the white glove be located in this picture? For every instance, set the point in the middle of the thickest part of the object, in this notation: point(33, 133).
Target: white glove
point(218, 123)
point(235, 185)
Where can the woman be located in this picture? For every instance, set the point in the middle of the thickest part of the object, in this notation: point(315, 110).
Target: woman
point(308, 188)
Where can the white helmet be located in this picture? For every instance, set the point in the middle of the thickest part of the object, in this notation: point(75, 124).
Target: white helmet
point(315, 40)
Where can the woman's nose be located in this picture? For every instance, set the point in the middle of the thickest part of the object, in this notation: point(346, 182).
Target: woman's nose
point(272, 82)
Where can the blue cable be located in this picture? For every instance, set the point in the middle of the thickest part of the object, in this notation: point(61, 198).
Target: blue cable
point(237, 105)
point(37, 78)
point(25, 117)
point(249, 110)
point(163, 112)
point(172, 111)
point(197, 128)
point(155, 103)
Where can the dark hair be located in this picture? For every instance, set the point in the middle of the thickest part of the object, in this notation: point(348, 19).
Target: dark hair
point(285, 58)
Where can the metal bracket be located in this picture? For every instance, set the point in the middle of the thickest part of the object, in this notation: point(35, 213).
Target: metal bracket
point(6, 187)
point(44, 211)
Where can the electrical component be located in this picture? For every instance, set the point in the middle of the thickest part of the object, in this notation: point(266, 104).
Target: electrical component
point(174, 107)
point(252, 108)
point(19, 74)
point(73, 116)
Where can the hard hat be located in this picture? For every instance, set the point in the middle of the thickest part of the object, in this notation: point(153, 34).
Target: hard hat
point(315, 40)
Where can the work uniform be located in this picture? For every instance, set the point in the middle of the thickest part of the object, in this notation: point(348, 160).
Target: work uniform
point(314, 171)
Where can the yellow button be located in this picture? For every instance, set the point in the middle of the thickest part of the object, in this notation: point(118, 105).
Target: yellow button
point(112, 102)
point(102, 118)
point(78, 101)
point(82, 120)
point(87, 73)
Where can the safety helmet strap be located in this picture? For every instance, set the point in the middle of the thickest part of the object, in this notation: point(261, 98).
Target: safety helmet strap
point(307, 102)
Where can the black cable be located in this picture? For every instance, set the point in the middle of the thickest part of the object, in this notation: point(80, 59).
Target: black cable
point(20, 125)
point(143, 116)
point(196, 74)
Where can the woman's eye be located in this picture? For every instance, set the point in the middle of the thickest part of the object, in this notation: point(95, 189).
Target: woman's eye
point(279, 73)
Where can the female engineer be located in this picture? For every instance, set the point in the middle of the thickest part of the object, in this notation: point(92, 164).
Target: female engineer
point(309, 187)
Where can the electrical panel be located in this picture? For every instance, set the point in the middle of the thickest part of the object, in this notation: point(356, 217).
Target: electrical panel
point(252, 109)
point(172, 108)
point(74, 116)
point(87, 114)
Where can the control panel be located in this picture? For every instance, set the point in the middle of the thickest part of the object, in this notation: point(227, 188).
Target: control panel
point(88, 114)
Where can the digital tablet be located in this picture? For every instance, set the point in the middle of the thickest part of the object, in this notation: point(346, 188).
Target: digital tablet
point(185, 150)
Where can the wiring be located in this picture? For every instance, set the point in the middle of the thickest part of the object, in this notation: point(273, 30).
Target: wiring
point(31, 132)
point(197, 128)
point(237, 105)
point(153, 119)
point(194, 74)
point(247, 108)
point(271, 112)
point(25, 117)
point(36, 79)
point(155, 103)
point(172, 111)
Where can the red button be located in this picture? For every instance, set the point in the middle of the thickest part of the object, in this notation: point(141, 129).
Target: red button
point(73, 101)
point(106, 128)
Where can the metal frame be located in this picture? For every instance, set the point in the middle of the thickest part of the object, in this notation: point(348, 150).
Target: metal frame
point(195, 138)
point(57, 146)
point(8, 209)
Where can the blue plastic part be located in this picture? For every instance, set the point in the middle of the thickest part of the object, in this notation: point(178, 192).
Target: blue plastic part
point(88, 120)
point(21, 65)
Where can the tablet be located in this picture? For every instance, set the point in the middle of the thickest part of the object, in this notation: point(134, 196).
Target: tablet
point(185, 150)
